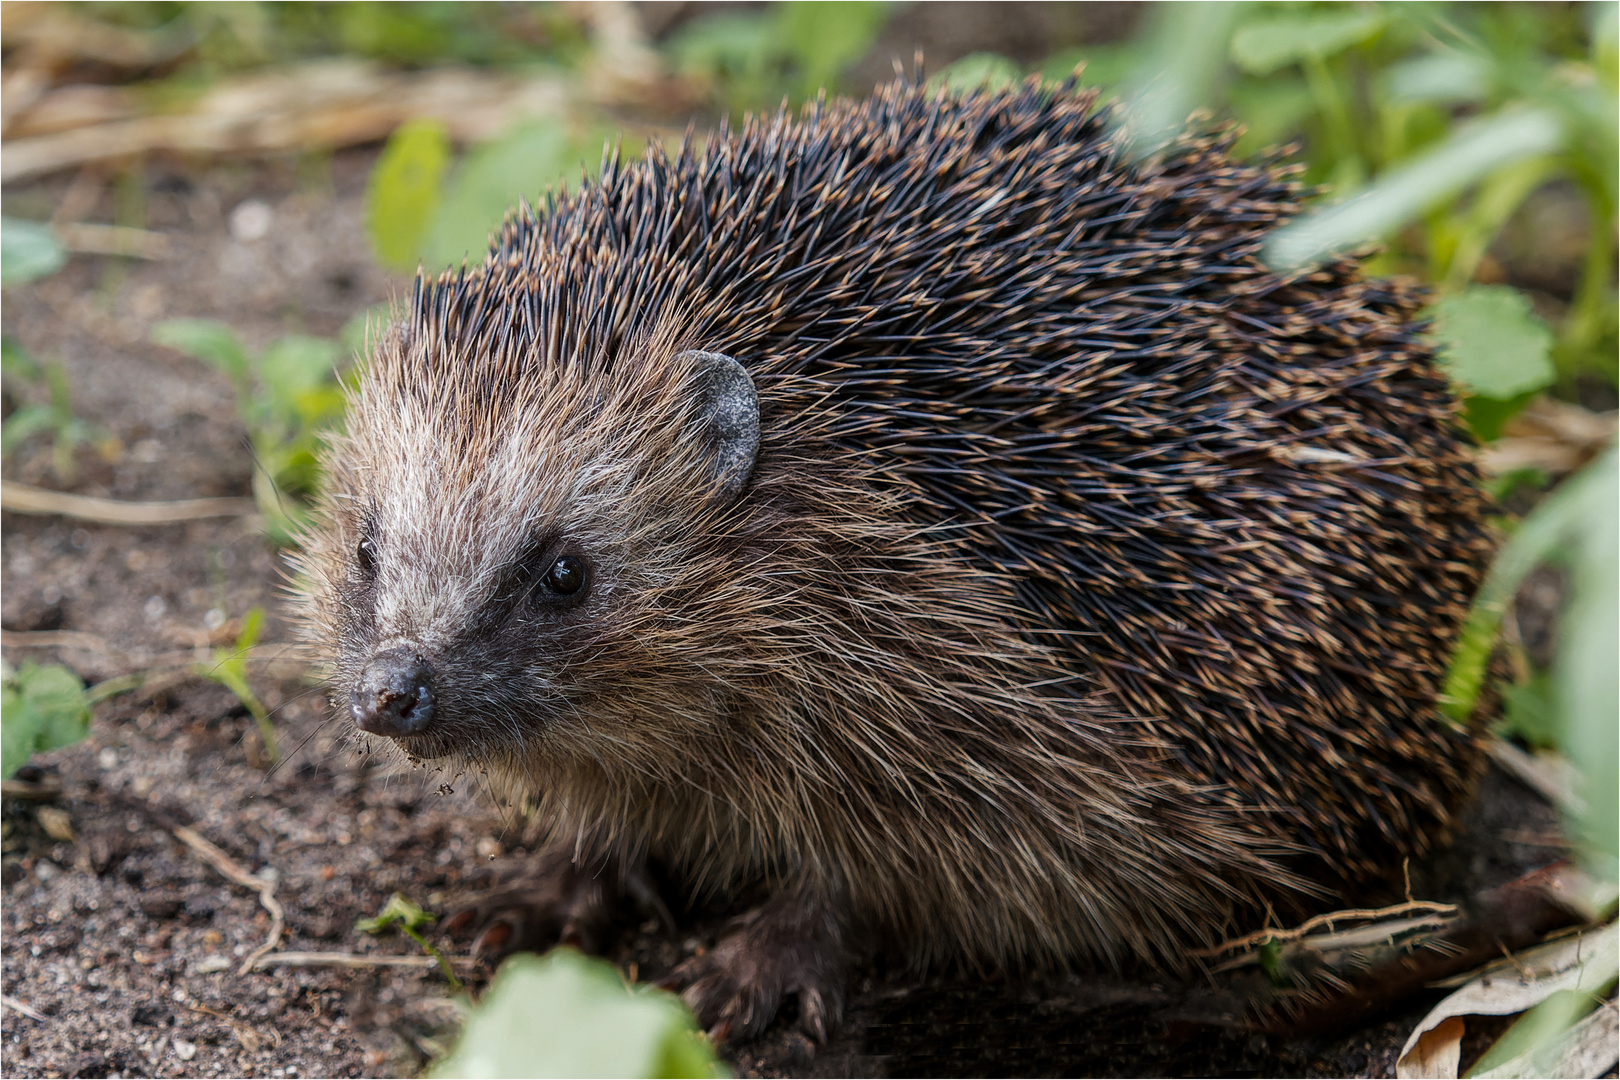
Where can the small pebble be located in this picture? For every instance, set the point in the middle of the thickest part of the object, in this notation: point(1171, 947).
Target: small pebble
point(57, 825)
point(251, 220)
point(184, 1050)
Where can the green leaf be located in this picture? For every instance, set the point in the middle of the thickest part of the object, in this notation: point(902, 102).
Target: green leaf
point(1176, 74)
point(724, 43)
point(1492, 344)
point(1529, 712)
point(1104, 65)
point(1272, 111)
point(566, 1015)
point(297, 364)
point(17, 362)
point(207, 340)
point(229, 669)
point(27, 420)
point(1586, 681)
point(44, 708)
point(1486, 417)
point(1537, 1028)
point(29, 250)
point(320, 407)
point(520, 164)
point(1265, 44)
point(979, 71)
point(1445, 78)
point(404, 190)
point(399, 909)
point(1400, 195)
point(826, 36)
point(1580, 520)
point(252, 627)
point(17, 732)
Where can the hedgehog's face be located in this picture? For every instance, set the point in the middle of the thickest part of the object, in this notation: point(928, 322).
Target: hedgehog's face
point(507, 571)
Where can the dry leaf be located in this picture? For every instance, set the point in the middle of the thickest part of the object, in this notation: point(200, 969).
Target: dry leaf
point(1586, 963)
point(1437, 1053)
point(1590, 1048)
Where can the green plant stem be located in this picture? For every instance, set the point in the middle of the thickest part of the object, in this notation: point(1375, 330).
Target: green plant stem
point(1583, 327)
point(1499, 197)
point(444, 964)
point(1540, 537)
point(1338, 124)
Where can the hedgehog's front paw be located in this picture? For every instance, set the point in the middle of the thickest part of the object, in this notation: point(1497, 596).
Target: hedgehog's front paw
point(549, 900)
point(792, 945)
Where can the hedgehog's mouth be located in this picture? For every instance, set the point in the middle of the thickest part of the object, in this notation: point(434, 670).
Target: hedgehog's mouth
point(423, 749)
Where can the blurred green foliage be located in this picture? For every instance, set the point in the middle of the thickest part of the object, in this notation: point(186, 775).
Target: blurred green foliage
point(756, 58)
point(418, 211)
point(564, 1014)
point(1496, 349)
point(1577, 527)
point(229, 669)
point(44, 708)
point(404, 191)
point(54, 415)
point(222, 37)
point(288, 397)
point(29, 250)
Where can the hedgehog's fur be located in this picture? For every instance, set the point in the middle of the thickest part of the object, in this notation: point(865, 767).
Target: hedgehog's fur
point(1092, 587)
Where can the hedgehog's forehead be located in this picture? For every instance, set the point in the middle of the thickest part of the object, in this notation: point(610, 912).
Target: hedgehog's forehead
point(459, 482)
point(476, 494)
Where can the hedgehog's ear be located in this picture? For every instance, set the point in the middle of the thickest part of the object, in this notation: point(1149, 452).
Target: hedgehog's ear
point(729, 413)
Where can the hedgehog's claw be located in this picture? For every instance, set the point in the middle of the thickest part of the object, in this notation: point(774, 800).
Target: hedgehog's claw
point(546, 901)
point(786, 947)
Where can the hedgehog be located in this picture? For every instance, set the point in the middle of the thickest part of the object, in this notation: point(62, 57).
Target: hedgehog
point(923, 529)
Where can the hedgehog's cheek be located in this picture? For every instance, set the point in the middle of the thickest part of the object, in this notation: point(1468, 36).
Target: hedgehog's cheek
point(396, 696)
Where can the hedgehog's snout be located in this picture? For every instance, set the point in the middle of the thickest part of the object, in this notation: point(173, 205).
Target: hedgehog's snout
point(395, 694)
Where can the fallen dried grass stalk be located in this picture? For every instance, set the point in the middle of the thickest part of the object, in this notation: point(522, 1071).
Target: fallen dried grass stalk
point(233, 870)
point(349, 960)
point(323, 104)
point(27, 499)
point(115, 240)
point(1426, 910)
point(22, 1007)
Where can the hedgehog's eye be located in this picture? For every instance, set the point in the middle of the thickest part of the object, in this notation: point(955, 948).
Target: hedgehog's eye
point(365, 553)
point(566, 576)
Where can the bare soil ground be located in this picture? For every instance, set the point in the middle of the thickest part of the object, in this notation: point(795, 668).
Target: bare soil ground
point(122, 947)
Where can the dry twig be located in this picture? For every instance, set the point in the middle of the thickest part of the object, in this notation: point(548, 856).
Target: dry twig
point(325, 103)
point(27, 499)
point(115, 240)
point(22, 1007)
point(222, 862)
point(1330, 919)
point(349, 960)
point(250, 1037)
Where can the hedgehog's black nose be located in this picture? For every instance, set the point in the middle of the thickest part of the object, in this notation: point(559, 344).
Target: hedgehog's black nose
point(395, 695)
